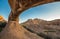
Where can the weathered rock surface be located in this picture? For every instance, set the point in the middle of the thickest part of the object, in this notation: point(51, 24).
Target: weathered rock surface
point(15, 31)
point(42, 27)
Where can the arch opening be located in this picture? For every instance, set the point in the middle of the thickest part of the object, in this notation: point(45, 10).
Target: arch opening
point(17, 10)
point(46, 12)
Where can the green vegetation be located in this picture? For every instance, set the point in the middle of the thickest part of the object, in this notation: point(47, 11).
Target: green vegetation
point(2, 25)
point(0, 29)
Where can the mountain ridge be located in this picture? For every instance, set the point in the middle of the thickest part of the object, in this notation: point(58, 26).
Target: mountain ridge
point(40, 26)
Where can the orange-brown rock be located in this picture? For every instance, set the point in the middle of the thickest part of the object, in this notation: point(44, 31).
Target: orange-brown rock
point(42, 26)
point(1, 18)
point(19, 6)
point(13, 30)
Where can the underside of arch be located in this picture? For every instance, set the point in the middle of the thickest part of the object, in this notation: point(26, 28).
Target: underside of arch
point(18, 6)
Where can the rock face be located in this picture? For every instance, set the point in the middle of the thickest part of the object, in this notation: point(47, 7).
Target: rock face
point(13, 31)
point(1, 18)
point(41, 26)
point(32, 29)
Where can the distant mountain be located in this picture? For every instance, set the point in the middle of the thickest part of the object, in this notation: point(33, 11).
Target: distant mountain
point(43, 26)
point(35, 21)
point(55, 22)
point(42, 22)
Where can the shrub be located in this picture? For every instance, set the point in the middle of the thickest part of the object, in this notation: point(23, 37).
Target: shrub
point(0, 29)
point(3, 24)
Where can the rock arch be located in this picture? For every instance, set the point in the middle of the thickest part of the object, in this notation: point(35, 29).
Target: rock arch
point(13, 29)
point(18, 6)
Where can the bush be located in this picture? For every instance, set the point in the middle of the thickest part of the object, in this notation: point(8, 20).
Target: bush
point(0, 29)
point(3, 24)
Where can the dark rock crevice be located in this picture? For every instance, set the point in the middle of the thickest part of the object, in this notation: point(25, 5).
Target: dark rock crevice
point(39, 34)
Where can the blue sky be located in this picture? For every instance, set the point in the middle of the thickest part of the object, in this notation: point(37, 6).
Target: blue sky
point(49, 11)
point(4, 8)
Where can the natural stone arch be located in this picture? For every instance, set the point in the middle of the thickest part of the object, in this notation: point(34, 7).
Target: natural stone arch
point(13, 29)
point(19, 6)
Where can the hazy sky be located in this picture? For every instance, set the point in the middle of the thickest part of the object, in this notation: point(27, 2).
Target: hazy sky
point(49, 11)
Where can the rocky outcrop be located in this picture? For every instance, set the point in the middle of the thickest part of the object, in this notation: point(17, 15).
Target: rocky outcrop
point(41, 26)
point(32, 29)
point(15, 31)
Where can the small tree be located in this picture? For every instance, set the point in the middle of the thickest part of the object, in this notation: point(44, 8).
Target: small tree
point(2, 25)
